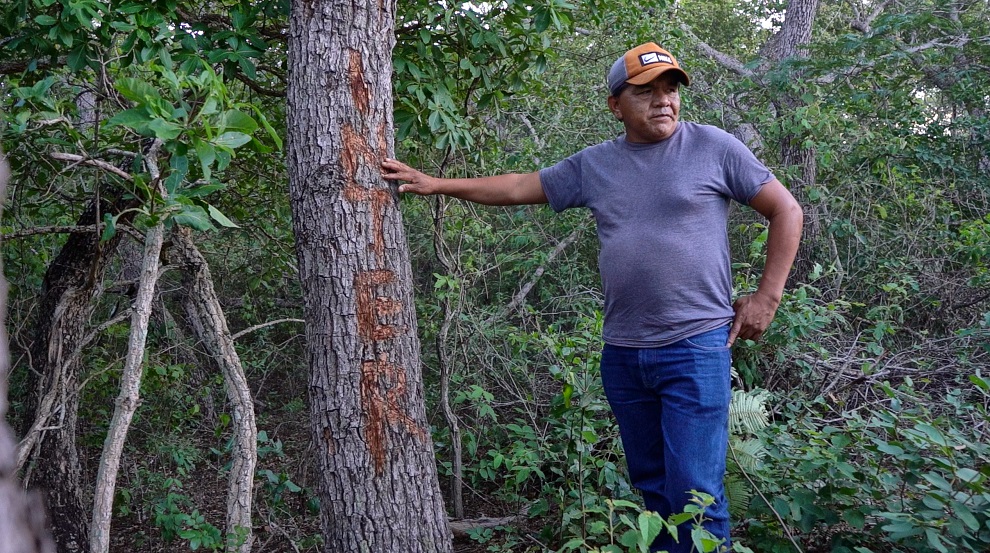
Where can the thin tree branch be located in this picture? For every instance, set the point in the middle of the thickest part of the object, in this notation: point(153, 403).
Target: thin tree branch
point(273, 92)
point(21, 66)
point(263, 325)
point(783, 525)
point(524, 290)
point(80, 160)
point(67, 229)
point(863, 24)
point(723, 59)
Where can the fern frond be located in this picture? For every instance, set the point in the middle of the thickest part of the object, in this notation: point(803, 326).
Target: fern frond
point(748, 411)
point(738, 493)
point(749, 453)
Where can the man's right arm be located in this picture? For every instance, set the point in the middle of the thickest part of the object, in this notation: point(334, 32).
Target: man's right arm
point(509, 189)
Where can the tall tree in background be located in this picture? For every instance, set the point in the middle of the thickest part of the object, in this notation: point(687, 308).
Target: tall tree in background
point(378, 481)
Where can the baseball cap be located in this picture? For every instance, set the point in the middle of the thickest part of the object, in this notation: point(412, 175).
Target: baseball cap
point(641, 65)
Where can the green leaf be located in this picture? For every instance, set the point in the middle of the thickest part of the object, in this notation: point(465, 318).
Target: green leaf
point(173, 181)
point(567, 392)
point(220, 217)
point(231, 140)
point(629, 538)
point(77, 58)
point(650, 525)
point(522, 475)
point(703, 539)
point(888, 448)
point(572, 544)
point(204, 190)
point(195, 217)
point(134, 118)
point(967, 475)
point(45, 20)
point(855, 518)
point(223, 159)
point(966, 516)
point(935, 540)
point(136, 90)
point(233, 120)
point(677, 519)
point(165, 130)
point(934, 434)
point(938, 481)
point(110, 229)
point(206, 154)
point(65, 37)
point(268, 127)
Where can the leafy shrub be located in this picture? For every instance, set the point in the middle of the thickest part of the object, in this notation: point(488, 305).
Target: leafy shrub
point(901, 478)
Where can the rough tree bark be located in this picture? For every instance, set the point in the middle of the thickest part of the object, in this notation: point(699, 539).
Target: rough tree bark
point(71, 287)
point(22, 516)
point(202, 307)
point(791, 41)
point(378, 485)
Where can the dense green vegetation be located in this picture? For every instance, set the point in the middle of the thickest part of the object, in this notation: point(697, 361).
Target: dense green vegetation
point(860, 422)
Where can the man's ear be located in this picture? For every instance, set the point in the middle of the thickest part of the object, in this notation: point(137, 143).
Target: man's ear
point(613, 106)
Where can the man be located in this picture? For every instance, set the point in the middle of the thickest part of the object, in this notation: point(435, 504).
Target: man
point(660, 196)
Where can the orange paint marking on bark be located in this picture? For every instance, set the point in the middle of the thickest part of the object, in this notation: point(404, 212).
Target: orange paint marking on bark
point(383, 393)
point(359, 88)
point(356, 149)
point(371, 307)
point(383, 140)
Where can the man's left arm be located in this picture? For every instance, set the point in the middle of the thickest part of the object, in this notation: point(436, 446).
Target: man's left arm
point(755, 312)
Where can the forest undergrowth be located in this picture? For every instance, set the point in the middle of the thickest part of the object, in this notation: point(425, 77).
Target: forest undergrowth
point(859, 422)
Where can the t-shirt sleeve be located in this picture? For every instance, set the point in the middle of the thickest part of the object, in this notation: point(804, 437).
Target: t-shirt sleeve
point(562, 183)
point(745, 174)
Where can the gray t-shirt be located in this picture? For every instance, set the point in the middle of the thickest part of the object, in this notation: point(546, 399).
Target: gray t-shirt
point(662, 213)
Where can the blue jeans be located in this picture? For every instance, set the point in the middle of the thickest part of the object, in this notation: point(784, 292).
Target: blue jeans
point(672, 406)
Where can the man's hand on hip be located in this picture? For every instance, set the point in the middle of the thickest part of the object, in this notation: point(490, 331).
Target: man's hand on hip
point(754, 313)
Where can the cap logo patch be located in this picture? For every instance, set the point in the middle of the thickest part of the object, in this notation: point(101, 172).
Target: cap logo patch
point(650, 58)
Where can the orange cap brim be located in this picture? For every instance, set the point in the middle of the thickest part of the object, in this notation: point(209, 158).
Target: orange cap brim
point(650, 74)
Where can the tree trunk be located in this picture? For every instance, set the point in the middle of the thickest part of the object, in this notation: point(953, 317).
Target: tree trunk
point(22, 516)
point(128, 399)
point(130, 379)
point(445, 368)
point(71, 286)
point(70, 290)
point(378, 487)
point(791, 41)
point(202, 307)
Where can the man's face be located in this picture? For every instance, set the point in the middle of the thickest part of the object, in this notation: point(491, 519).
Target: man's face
point(649, 112)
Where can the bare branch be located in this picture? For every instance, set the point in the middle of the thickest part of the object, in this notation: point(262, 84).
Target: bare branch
point(263, 325)
point(80, 160)
point(21, 66)
point(51, 229)
point(273, 92)
point(727, 61)
point(524, 290)
point(863, 24)
point(67, 229)
point(125, 153)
